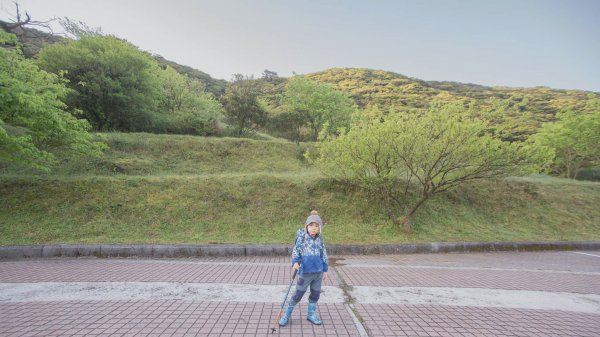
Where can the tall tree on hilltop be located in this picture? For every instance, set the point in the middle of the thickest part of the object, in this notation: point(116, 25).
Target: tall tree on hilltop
point(269, 75)
point(185, 107)
point(317, 105)
point(31, 39)
point(242, 106)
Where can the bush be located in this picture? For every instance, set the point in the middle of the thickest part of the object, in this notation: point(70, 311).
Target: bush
point(307, 151)
point(589, 174)
point(234, 132)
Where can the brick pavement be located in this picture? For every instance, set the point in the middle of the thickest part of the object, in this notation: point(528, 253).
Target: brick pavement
point(494, 279)
point(550, 260)
point(160, 318)
point(438, 321)
point(253, 271)
point(553, 272)
point(526, 271)
point(164, 318)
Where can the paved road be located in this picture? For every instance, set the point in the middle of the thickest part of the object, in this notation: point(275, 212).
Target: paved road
point(486, 294)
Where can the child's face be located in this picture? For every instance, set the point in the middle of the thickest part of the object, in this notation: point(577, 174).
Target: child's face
point(313, 228)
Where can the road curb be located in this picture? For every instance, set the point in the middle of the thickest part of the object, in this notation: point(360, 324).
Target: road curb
point(165, 251)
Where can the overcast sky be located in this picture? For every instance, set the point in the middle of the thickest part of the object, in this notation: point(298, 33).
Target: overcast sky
point(517, 43)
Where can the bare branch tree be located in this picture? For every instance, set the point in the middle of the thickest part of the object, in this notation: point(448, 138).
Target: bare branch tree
point(32, 34)
point(19, 20)
point(78, 29)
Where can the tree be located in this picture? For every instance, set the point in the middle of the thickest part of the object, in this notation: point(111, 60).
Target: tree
point(174, 89)
point(32, 40)
point(409, 158)
point(269, 75)
point(114, 84)
point(317, 104)
point(78, 29)
point(185, 107)
point(287, 125)
point(242, 106)
point(34, 123)
point(574, 138)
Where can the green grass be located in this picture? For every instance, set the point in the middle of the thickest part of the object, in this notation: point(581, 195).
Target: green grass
point(182, 189)
point(150, 155)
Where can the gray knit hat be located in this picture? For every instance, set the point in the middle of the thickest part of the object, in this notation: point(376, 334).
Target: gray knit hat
point(314, 217)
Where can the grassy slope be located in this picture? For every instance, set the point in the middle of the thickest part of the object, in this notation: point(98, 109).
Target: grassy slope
point(182, 189)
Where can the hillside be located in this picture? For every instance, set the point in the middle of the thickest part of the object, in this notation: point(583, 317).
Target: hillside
point(525, 108)
point(528, 108)
point(183, 189)
point(389, 90)
point(386, 89)
point(214, 86)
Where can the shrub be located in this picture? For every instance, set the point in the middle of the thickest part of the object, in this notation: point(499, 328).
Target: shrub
point(589, 174)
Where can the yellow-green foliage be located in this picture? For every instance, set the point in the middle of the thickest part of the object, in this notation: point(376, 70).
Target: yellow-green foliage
point(436, 151)
point(381, 88)
point(574, 140)
point(389, 92)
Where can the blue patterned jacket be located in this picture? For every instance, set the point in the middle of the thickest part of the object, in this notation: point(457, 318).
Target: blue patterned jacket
point(310, 253)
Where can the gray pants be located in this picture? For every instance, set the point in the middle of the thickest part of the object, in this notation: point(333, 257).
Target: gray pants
point(313, 280)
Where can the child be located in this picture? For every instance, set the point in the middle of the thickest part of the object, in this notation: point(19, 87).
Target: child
point(301, 231)
point(309, 256)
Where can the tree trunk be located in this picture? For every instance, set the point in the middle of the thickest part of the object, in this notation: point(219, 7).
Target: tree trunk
point(406, 225)
point(241, 129)
point(576, 171)
point(397, 221)
point(298, 135)
point(390, 213)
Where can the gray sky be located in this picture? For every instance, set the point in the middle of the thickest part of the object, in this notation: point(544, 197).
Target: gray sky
point(518, 43)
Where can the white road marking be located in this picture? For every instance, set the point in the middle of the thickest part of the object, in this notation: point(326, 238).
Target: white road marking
point(586, 254)
point(106, 291)
point(103, 291)
point(525, 299)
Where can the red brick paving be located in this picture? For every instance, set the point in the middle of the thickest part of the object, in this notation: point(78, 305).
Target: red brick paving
point(558, 261)
point(127, 270)
point(203, 318)
point(428, 320)
point(165, 318)
point(494, 279)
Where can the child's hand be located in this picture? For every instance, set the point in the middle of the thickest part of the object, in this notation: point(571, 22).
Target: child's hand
point(324, 276)
point(296, 266)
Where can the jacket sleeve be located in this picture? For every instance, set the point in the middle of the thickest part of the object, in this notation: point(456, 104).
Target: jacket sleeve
point(297, 251)
point(324, 258)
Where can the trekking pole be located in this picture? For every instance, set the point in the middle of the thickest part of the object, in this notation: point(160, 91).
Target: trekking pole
point(273, 329)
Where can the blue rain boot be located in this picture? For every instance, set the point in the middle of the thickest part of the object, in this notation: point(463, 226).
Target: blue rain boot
point(312, 314)
point(286, 316)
